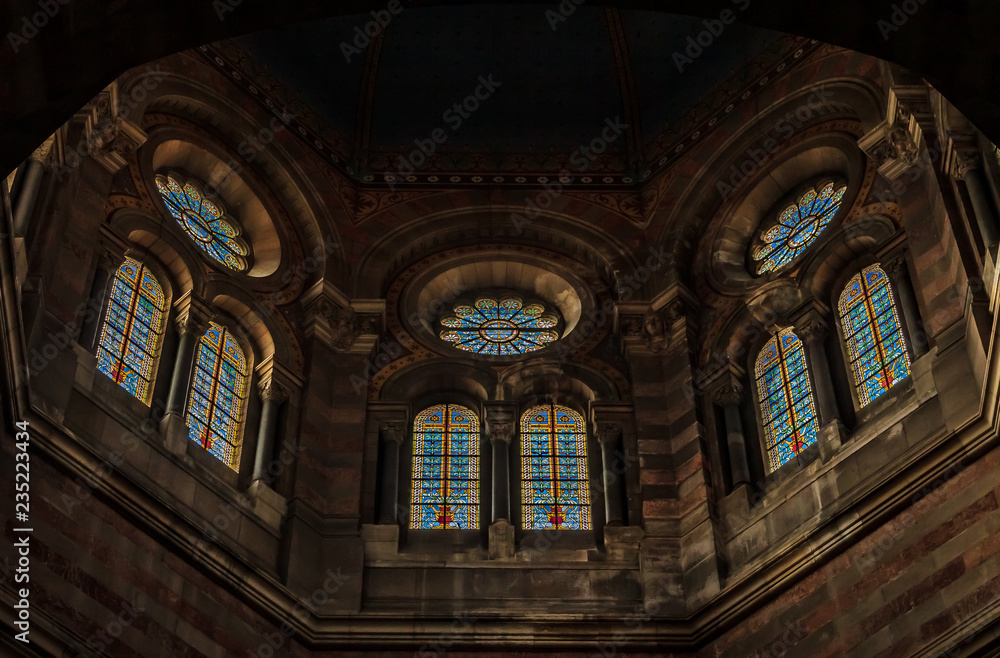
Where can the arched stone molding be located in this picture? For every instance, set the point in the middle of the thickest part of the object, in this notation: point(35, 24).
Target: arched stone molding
point(271, 333)
point(146, 231)
point(597, 253)
point(196, 102)
point(846, 249)
point(552, 380)
point(474, 381)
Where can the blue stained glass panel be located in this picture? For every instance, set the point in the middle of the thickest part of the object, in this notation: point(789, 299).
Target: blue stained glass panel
point(796, 228)
point(217, 404)
point(554, 488)
point(132, 332)
point(879, 358)
point(445, 491)
point(499, 326)
point(204, 222)
point(786, 398)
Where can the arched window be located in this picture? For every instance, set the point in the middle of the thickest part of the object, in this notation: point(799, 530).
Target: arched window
point(217, 404)
point(445, 469)
point(786, 398)
point(871, 328)
point(204, 222)
point(132, 334)
point(796, 227)
point(554, 469)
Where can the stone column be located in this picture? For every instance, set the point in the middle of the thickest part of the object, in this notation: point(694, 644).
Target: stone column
point(899, 276)
point(968, 168)
point(609, 436)
point(729, 396)
point(23, 206)
point(193, 316)
point(501, 419)
point(273, 394)
point(813, 333)
point(391, 437)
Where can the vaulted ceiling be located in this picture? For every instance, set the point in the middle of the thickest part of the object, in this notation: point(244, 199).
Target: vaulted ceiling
point(556, 83)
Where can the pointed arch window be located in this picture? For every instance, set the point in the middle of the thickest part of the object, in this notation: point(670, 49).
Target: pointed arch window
point(787, 407)
point(554, 487)
point(445, 491)
point(204, 222)
point(129, 347)
point(217, 404)
point(875, 343)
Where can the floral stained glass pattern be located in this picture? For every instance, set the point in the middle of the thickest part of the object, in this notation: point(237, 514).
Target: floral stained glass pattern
point(218, 396)
point(786, 398)
point(445, 469)
point(797, 227)
point(132, 333)
point(874, 340)
point(500, 326)
point(204, 222)
point(554, 469)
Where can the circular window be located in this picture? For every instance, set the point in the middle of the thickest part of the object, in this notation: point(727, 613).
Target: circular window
point(204, 222)
point(500, 325)
point(796, 227)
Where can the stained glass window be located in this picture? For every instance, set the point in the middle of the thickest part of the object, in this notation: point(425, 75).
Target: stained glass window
point(871, 327)
point(500, 326)
point(218, 395)
point(786, 398)
point(445, 469)
point(204, 222)
point(797, 227)
point(554, 469)
point(129, 347)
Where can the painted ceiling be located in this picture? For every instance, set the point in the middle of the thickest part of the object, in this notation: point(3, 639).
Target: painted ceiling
point(559, 82)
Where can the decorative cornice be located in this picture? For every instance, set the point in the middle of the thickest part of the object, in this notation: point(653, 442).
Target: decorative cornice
point(109, 138)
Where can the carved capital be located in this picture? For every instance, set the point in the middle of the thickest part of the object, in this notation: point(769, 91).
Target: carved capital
point(193, 315)
point(336, 324)
point(812, 329)
point(110, 260)
point(656, 330)
point(895, 266)
point(394, 431)
point(608, 432)
point(731, 392)
point(964, 162)
point(273, 390)
point(501, 431)
point(109, 138)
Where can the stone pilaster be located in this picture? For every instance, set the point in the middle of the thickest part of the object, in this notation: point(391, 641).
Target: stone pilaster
point(501, 422)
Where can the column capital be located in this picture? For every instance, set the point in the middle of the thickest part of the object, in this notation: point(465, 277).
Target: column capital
point(273, 390)
point(114, 247)
point(607, 432)
point(393, 430)
point(965, 162)
point(895, 265)
point(193, 314)
point(812, 329)
point(502, 430)
point(729, 393)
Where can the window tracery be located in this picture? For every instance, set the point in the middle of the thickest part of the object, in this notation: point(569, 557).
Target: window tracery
point(554, 486)
point(445, 491)
point(132, 333)
point(796, 228)
point(204, 222)
point(785, 392)
point(500, 326)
